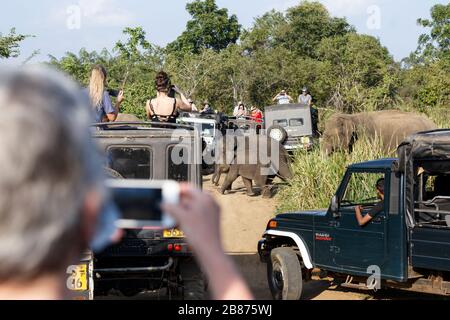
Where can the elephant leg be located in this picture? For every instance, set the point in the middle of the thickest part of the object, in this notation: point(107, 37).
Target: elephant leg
point(215, 177)
point(261, 182)
point(249, 186)
point(230, 178)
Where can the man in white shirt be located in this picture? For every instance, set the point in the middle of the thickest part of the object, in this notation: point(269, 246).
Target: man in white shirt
point(305, 98)
point(283, 98)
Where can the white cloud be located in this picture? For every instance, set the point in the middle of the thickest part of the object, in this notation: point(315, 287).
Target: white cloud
point(105, 13)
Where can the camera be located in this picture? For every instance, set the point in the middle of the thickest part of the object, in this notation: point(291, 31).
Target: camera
point(171, 93)
point(139, 202)
point(113, 93)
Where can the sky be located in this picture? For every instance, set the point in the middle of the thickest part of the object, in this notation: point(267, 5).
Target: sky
point(60, 26)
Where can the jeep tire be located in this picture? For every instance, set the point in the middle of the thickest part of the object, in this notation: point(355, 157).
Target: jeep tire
point(284, 274)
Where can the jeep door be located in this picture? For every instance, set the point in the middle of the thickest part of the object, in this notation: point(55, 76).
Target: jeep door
point(357, 248)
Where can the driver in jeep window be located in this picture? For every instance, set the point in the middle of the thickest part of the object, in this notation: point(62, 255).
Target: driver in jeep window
point(376, 210)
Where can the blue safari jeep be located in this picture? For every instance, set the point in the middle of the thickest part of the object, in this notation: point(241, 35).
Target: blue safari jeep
point(406, 245)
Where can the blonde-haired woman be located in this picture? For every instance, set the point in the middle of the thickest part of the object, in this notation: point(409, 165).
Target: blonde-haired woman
point(103, 108)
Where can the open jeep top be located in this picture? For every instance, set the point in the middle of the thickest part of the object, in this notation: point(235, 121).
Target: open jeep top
point(424, 158)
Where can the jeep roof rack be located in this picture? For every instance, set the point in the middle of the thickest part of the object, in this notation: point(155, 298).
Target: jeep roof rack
point(140, 126)
point(211, 116)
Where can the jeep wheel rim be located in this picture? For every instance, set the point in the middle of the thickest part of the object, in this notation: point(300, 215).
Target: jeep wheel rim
point(277, 277)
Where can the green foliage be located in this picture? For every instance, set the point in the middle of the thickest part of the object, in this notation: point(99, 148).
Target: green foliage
point(305, 46)
point(362, 73)
point(317, 176)
point(132, 66)
point(426, 78)
point(309, 23)
point(209, 28)
point(437, 43)
point(264, 33)
point(10, 43)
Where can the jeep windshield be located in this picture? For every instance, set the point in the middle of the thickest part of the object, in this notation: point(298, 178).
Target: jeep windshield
point(361, 190)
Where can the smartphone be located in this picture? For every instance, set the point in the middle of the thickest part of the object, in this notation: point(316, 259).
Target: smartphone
point(139, 202)
point(113, 93)
point(171, 93)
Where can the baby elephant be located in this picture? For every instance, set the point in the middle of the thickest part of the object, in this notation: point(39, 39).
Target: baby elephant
point(219, 170)
point(261, 174)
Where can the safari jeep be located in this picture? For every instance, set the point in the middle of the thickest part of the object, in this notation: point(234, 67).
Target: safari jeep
point(145, 260)
point(406, 246)
point(211, 127)
point(293, 125)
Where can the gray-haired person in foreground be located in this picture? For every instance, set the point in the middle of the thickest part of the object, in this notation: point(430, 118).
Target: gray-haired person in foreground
point(52, 198)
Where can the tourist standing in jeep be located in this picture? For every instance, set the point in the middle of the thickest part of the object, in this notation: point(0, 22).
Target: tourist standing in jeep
point(99, 97)
point(165, 107)
point(283, 98)
point(305, 98)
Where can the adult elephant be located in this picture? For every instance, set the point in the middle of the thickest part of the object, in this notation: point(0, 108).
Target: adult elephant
point(273, 162)
point(125, 117)
point(391, 127)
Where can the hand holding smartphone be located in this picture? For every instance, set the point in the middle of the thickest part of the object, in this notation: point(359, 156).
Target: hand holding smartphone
point(140, 201)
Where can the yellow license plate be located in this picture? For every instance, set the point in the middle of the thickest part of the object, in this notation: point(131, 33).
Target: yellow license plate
point(78, 280)
point(174, 233)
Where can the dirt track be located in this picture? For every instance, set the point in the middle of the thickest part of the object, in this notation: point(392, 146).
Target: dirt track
point(244, 220)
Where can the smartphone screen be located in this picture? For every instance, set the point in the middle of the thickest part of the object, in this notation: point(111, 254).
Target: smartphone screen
point(138, 203)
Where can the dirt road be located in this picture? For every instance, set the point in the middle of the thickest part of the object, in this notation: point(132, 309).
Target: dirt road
point(244, 220)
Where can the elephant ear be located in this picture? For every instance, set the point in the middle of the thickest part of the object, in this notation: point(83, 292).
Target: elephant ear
point(347, 131)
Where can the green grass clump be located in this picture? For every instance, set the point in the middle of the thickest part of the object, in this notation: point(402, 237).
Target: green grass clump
point(317, 176)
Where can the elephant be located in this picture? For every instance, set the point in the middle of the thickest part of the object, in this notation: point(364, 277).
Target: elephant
point(124, 117)
point(391, 127)
point(225, 153)
point(219, 170)
point(262, 173)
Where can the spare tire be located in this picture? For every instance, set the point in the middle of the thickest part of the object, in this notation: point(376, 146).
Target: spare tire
point(277, 133)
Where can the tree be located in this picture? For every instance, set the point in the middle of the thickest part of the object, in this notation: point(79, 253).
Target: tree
point(209, 28)
point(307, 25)
point(264, 32)
point(362, 74)
point(191, 70)
point(9, 44)
point(132, 65)
point(426, 79)
point(436, 44)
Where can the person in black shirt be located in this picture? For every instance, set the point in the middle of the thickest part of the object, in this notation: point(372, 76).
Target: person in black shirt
point(376, 210)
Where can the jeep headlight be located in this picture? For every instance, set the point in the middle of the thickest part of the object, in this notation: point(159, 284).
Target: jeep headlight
point(306, 140)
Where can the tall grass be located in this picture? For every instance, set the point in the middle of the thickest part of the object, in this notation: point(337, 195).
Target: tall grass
point(317, 176)
point(439, 114)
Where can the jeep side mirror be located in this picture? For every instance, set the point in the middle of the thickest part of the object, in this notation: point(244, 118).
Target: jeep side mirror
point(334, 207)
